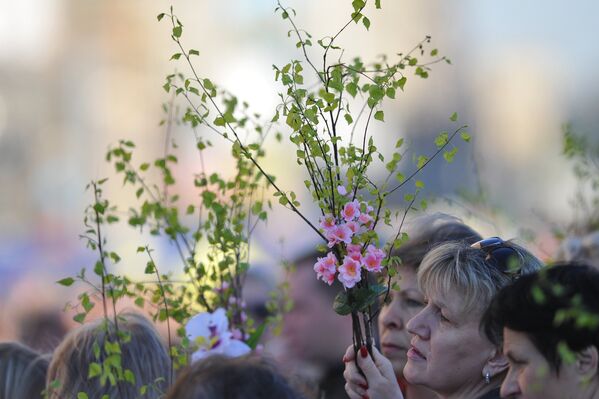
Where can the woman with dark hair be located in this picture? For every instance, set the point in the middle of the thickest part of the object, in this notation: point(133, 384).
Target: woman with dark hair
point(22, 372)
point(548, 324)
point(219, 377)
point(448, 353)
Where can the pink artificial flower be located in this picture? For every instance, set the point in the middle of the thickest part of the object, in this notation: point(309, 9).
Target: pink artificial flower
point(351, 210)
point(326, 268)
point(353, 248)
point(341, 190)
point(349, 272)
point(373, 258)
point(327, 222)
point(341, 233)
point(365, 219)
point(353, 226)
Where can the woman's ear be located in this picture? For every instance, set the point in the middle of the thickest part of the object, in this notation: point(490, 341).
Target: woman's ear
point(496, 364)
point(587, 362)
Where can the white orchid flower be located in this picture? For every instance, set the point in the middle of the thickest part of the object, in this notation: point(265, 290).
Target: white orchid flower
point(210, 333)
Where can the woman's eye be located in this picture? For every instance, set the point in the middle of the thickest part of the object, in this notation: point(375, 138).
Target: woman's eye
point(413, 303)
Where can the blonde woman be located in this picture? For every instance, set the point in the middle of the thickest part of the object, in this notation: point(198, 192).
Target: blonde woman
point(144, 354)
point(448, 354)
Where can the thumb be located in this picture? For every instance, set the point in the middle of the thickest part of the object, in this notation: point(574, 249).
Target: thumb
point(368, 367)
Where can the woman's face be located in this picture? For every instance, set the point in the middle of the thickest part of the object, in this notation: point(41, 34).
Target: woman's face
point(405, 304)
point(530, 376)
point(447, 351)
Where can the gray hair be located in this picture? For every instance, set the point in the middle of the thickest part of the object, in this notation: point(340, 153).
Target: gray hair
point(22, 372)
point(143, 353)
point(458, 267)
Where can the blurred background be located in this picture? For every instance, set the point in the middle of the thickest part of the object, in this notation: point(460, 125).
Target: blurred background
point(77, 76)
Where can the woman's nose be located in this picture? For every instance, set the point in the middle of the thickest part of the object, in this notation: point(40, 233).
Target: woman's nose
point(391, 317)
point(417, 325)
point(509, 387)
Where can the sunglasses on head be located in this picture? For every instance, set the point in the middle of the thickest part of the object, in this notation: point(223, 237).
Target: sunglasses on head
point(500, 255)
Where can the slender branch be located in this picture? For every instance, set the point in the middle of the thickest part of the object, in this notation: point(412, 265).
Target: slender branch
point(439, 150)
point(168, 323)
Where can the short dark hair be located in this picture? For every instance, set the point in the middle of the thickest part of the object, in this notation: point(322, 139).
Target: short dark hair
point(429, 231)
point(555, 306)
point(247, 377)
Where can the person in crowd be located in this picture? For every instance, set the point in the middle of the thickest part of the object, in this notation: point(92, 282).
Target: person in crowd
point(448, 353)
point(22, 372)
point(580, 248)
point(548, 324)
point(315, 336)
point(425, 232)
point(141, 351)
point(247, 377)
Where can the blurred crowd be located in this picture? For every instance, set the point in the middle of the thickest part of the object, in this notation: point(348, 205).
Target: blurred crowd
point(469, 318)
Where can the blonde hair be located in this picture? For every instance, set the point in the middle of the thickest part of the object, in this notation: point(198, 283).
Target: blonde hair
point(143, 353)
point(458, 267)
point(22, 372)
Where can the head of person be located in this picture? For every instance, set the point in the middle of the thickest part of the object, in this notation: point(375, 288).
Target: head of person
point(448, 352)
point(581, 249)
point(313, 332)
point(22, 372)
point(234, 378)
point(548, 324)
point(424, 232)
point(141, 351)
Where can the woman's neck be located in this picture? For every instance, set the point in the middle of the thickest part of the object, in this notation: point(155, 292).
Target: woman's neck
point(470, 392)
point(419, 392)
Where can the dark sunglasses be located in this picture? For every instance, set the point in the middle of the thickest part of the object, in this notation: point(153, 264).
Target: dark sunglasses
point(499, 255)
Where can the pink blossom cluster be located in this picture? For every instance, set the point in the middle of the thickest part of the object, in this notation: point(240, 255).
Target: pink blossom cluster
point(353, 222)
point(350, 270)
point(355, 219)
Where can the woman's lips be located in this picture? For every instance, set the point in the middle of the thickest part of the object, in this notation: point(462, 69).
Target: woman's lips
point(415, 354)
point(392, 349)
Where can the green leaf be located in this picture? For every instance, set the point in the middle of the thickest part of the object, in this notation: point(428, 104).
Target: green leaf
point(67, 282)
point(402, 82)
point(379, 116)
point(434, 52)
point(465, 136)
point(194, 52)
point(453, 117)
point(348, 119)
point(129, 376)
point(95, 369)
point(254, 338)
point(139, 301)
point(177, 30)
point(449, 155)
point(79, 317)
point(176, 56)
point(83, 395)
point(340, 305)
point(441, 139)
point(160, 16)
point(377, 3)
point(390, 92)
point(366, 22)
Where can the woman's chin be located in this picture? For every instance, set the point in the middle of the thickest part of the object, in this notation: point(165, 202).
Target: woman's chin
point(412, 373)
